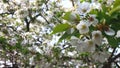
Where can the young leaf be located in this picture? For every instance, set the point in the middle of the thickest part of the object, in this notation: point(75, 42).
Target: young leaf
point(61, 28)
point(64, 36)
point(114, 10)
point(116, 3)
point(67, 35)
point(67, 16)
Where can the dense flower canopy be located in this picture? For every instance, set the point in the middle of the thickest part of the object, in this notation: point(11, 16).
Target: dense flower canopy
point(47, 34)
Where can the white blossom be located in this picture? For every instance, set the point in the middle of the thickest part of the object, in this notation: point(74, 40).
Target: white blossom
point(82, 27)
point(83, 8)
point(109, 2)
point(97, 37)
point(100, 56)
point(39, 48)
point(92, 20)
point(95, 5)
point(72, 54)
point(35, 48)
point(21, 13)
point(73, 16)
point(110, 32)
point(118, 34)
point(83, 46)
point(90, 45)
point(13, 41)
point(31, 60)
point(80, 45)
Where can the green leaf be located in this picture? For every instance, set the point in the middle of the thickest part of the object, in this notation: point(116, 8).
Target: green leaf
point(114, 10)
point(61, 28)
point(84, 54)
point(101, 15)
point(2, 40)
point(56, 52)
point(76, 33)
point(64, 36)
point(116, 7)
point(68, 35)
point(94, 11)
point(71, 17)
point(116, 3)
point(115, 26)
point(25, 50)
point(58, 14)
point(67, 16)
point(18, 46)
point(112, 41)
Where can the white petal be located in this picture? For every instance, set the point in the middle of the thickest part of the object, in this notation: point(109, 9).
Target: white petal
point(97, 37)
point(118, 33)
point(83, 27)
point(95, 22)
point(84, 8)
point(90, 47)
point(73, 16)
point(110, 32)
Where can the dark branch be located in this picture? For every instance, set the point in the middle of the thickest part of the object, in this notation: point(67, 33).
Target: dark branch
point(45, 19)
point(114, 58)
point(72, 2)
point(46, 4)
point(110, 60)
point(2, 14)
point(27, 24)
point(57, 19)
point(117, 64)
point(36, 16)
point(112, 54)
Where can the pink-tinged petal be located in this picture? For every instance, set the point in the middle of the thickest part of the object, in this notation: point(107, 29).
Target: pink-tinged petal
point(110, 32)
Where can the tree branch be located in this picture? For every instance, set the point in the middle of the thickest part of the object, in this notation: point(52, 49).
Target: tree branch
point(112, 54)
point(46, 4)
point(2, 14)
point(110, 60)
point(117, 64)
point(114, 58)
point(72, 2)
point(45, 19)
point(27, 24)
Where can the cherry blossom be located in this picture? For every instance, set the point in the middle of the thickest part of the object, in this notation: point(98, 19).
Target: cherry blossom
point(97, 37)
point(82, 27)
point(83, 8)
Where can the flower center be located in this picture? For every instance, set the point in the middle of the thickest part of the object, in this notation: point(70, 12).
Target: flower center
point(91, 19)
point(90, 42)
point(97, 35)
point(84, 10)
point(84, 26)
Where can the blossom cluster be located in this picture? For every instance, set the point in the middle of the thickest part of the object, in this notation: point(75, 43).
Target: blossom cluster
point(45, 34)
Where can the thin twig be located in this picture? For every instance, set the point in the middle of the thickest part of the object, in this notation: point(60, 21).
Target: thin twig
point(57, 19)
point(112, 54)
point(45, 19)
point(46, 4)
point(117, 64)
point(27, 24)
